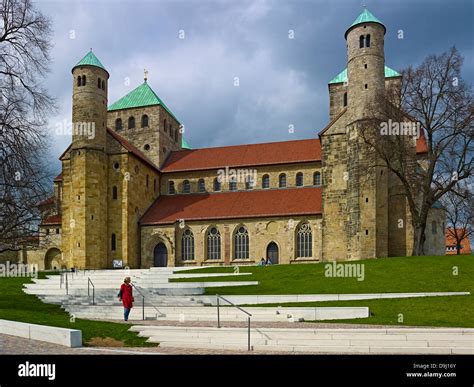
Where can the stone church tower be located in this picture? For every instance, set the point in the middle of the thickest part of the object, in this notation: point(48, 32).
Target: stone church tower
point(355, 190)
point(85, 170)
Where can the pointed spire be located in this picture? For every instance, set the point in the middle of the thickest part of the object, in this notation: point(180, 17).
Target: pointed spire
point(364, 17)
point(90, 60)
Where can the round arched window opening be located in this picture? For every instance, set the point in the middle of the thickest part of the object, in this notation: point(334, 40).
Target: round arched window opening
point(147, 147)
point(116, 166)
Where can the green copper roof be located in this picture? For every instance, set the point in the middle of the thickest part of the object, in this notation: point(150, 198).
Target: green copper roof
point(90, 60)
point(184, 143)
point(141, 96)
point(365, 17)
point(342, 76)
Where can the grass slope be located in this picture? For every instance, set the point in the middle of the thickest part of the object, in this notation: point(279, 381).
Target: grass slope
point(385, 275)
point(18, 306)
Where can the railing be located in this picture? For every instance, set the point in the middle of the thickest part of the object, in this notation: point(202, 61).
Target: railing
point(239, 308)
point(89, 282)
point(143, 304)
point(63, 275)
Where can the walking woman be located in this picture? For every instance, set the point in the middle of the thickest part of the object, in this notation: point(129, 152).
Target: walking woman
point(126, 296)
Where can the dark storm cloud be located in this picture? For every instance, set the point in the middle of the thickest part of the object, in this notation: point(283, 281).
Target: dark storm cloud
point(283, 81)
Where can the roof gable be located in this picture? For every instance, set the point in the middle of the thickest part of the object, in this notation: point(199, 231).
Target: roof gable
point(141, 96)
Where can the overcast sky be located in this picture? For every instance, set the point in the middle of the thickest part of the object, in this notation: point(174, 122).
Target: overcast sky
point(282, 81)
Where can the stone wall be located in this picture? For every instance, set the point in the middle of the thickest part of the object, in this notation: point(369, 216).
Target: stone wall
point(262, 231)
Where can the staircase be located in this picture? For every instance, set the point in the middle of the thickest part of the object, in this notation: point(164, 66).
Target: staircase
point(337, 341)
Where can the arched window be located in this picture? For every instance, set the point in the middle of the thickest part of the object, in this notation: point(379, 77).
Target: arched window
point(147, 181)
point(344, 99)
point(282, 180)
point(249, 182)
point(131, 122)
point(103, 85)
point(154, 185)
point(99, 83)
point(233, 184)
point(144, 121)
point(79, 81)
point(171, 189)
point(217, 185)
point(114, 193)
point(171, 133)
point(201, 185)
point(186, 186)
point(187, 245)
point(118, 124)
point(241, 243)
point(367, 41)
point(433, 227)
point(83, 80)
point(165, 126)
point(176, 135)
point(299, 179)
point(113, 242)
point(361, 41)
point(304, 241)
point(265, 181)
point(317, 179)
point(213, 244)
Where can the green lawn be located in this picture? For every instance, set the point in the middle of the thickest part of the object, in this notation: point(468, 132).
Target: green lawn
point(19, 306)
point(386, 275)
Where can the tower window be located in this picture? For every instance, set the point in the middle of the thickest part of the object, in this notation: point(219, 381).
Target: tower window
point(103, 85)
point(131, 122)
point(116, 166)
point(113, 244)
point(367, 41)
point(114, 193)
point(118, 124)
point(176, 135)
point(233, 184)
point(186, 186)
point(201, 185)
point(154, 185)
point(361, 41)
point(79, 81)
point(147, 147)
point(171, 189)
point(83, 80)
point(99, 83)
point(365, 65)
point(317, 179)
point(366, 86)
point(366, 232)
point(217, 185)
point(344, 99)
point(147, 181)
point(299, 179)
point(165, 127)
point(144, 121)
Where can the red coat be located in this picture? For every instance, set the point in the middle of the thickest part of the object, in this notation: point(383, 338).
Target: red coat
point(126, 292)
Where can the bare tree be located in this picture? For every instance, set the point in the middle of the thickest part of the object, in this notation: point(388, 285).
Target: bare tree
point(434, 99)
point(459, 206)
point(24, 106)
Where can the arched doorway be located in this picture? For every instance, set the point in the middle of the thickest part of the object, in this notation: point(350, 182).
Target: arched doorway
point(52, 259)
point(160, 255)
point(272, 252)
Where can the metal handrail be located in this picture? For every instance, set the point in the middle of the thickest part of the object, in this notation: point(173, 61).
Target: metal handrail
point(89, 282)
point(143, 304)
point(67, 285)
point(249, 315)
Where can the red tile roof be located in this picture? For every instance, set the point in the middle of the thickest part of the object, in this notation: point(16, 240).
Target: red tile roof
point(47, 201)
point(421, 145)
point(52, 220)
point(284, 152)
point(235, 204)
point(131, 148)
